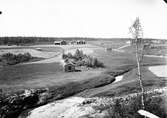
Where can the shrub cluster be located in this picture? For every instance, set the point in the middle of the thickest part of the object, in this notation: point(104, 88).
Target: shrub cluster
point(12, 59)
point(81, 59)
point(128, 108)
point(93, 62)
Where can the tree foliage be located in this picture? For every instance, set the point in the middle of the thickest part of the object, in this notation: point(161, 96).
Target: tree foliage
point(12, 59)
point(81, 59)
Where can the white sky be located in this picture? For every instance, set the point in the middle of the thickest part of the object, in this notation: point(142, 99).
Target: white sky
point(82, 18)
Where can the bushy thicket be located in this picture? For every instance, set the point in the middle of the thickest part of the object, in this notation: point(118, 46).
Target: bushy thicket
point(12, 59)
point(93, 62)
point(78, 55)
point(81, 59)
point(128, 108)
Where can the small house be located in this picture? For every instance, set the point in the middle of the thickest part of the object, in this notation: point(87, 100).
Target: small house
point(81, 42)
point(73, 42)
point(63, 42)
point(69, 67)
point(57, 42)
point(39, 49)
point(60, 42)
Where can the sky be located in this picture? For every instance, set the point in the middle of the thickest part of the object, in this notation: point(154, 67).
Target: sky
point(82, 18)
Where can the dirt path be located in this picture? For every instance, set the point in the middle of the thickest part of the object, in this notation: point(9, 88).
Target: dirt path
point(122, 47)
point(56, 58)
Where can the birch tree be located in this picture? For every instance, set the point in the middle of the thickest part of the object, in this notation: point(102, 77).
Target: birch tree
point(137, 34)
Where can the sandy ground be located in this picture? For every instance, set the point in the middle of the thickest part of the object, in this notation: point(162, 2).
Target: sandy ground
point(58, 109)
point(120, 49)
point(160, 71)
point(123, 47)
point(69, 108)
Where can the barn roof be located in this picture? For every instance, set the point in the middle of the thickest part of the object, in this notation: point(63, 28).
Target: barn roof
point(57, 41)
point(69, 63)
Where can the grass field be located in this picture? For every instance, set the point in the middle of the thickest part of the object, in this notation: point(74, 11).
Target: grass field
point(117, 62)
point(88, 83)
point(46, 74)
point(129, 84)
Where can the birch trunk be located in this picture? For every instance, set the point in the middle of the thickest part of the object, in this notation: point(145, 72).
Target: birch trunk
point(139, 73)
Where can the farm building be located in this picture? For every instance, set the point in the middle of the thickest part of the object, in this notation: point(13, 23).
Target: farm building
point(73, 42)
point(69, 67)
point(39, 49)
point(81, 42)
point(60, 42)
point(57, 42)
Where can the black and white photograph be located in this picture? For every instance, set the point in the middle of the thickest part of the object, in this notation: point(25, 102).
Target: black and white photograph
point(83, 59)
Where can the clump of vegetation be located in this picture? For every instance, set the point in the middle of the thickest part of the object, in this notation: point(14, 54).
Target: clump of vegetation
point(81, 59)
point(93, 62)
point(128, 107)
point(12, 59)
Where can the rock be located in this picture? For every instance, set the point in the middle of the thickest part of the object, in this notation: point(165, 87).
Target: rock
point(95, 107)
point(74, 107)
point(11, 106)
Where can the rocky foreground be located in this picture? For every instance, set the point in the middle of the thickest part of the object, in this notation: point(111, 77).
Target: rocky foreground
point(105, 107)
point(12, 105)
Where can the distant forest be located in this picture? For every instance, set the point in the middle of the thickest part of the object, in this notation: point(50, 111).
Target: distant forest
point(38, 40)
point(34, 40)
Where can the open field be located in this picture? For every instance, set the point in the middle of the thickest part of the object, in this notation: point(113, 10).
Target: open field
point(128, 84)
point(120, 65)
point(49, 71)
point(44, 73)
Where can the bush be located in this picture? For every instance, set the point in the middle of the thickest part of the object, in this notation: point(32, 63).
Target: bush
point(78, 55)
point(64, 56)
point(12, 59)
point(93, 62)
point(128, 108)
point(82, 59)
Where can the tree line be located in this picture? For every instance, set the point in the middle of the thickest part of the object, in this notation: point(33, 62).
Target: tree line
point(21, 40)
